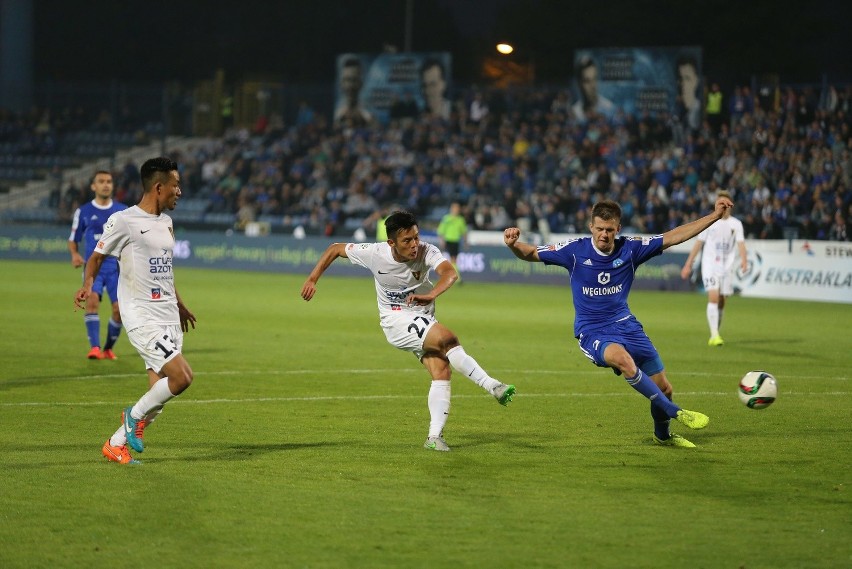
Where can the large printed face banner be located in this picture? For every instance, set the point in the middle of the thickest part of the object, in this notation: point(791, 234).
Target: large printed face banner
point(639, 80)
point(374, 87)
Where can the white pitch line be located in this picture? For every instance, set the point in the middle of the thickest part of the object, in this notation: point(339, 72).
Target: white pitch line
point(332, 372)
point(388, 397)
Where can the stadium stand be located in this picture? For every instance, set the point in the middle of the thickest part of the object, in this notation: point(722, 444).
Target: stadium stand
point(527, 162)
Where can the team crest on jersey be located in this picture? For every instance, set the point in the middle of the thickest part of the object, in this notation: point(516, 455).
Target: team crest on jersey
point(416, 274)
point(617, 263)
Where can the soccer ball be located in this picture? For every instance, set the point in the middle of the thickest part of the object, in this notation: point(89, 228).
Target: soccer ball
point(758, 389)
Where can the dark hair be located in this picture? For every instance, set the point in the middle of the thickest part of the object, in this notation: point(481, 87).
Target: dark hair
point(399, 220)
point(607, 210)
point(584, 63)
point(97, 172)
point(352, 61)
point(153, 168)
point(429, 63)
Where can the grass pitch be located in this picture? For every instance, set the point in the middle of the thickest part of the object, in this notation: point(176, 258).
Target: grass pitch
point(299, 443)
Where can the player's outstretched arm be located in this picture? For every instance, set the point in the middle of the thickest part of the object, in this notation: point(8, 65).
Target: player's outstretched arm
point(523, 251)
point(93, 267)
point(334, 251)
point(689, 230)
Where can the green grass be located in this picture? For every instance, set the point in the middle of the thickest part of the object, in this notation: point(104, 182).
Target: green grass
point(299, 443)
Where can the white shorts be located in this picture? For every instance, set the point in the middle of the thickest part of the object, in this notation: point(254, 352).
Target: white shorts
point(407, 330)
point(157, 344)
point(723, 282)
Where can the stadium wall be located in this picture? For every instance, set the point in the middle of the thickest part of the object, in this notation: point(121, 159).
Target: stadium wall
point(796, 270)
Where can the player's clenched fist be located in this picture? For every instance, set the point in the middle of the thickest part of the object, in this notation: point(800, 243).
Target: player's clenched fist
point(511, 235)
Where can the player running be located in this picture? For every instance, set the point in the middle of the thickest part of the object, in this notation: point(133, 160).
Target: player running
point(87, 227)
point(406, 299)
point(143, 239)
point(602, 268)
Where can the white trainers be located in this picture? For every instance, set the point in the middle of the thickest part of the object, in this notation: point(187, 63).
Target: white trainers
point(503, 393)
point(436, 443)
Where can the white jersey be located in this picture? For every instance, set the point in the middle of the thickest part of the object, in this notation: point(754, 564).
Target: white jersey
point(720, 246)
point(143, 244)
point(396, 280)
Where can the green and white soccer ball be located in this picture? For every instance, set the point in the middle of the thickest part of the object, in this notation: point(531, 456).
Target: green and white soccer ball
point(758, 389)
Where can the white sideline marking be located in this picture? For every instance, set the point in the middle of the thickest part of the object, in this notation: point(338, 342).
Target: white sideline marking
point(497, 373)
point(500, 373)
point(375, 397)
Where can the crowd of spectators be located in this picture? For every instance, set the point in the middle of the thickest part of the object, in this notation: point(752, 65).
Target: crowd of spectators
point(521, 158)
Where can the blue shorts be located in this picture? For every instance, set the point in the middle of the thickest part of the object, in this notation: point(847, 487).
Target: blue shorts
point(630, 334)
point(107, 279)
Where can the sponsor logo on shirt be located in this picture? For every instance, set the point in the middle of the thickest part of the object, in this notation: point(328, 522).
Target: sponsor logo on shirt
point(602, 291)
point(396, 295)
point(155, 293)
point(160, 264)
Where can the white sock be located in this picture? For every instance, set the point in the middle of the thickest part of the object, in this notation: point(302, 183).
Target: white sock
point(721, 310)
point(118, 439)
point(466, 365)
point(152, 414)
point(157, 396)
point(439, 406)
point(713, 318)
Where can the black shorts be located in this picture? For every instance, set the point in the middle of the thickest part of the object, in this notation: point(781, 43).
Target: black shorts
point(452, 248)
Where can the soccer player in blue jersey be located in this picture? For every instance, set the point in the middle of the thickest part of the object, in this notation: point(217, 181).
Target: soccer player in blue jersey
point(602, 268)
point(87, 227)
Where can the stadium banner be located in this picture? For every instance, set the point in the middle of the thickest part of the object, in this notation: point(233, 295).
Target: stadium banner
point(823, 278)
point(638, 80)
point(796, 270)
point(286, 254)
point(367, 85)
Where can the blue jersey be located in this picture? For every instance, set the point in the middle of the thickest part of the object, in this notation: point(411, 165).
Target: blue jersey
point(88, 225)
point(600, 283)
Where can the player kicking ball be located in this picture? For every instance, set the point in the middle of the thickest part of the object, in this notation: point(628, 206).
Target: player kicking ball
point(406, 298)
point(602, 269)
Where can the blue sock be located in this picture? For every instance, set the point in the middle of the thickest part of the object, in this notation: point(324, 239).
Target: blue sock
point(646, 386)
point(113, 330)
point(661, 423)
point(93, 329)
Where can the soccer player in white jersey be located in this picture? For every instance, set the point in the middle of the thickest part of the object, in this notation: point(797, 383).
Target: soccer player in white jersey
point(406, 299)
point(720, 243)
point(602, 268)
point(154, 316)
